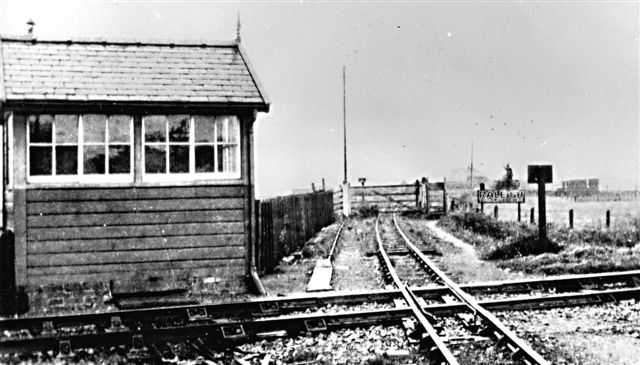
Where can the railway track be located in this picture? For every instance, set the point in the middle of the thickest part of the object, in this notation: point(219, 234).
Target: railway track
point(145, 333)
point(480, 321)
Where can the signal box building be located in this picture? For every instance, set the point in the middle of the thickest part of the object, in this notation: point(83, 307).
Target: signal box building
point(128, 160)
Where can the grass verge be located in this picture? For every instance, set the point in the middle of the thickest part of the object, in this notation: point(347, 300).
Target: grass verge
point(516, 246)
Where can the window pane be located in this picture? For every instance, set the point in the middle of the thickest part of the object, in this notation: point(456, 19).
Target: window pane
point(221, 129)
point(155, 128)
point(204, 128)
point(234, 130)
point(66, 159)
point(205, 159)
point(179, 159)
point(227, 158)
point(119, 159)
point(94, 127)
point(67, 129)
point(178, 128)
point(40, 127)
point(120, 128)
point(94, 159)
point(40, 161)
point(154, 159)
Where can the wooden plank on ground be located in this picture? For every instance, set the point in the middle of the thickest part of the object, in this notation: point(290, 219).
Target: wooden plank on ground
point(321, 277)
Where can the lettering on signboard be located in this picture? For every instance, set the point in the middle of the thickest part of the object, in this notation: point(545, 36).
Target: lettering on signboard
point(501, 196)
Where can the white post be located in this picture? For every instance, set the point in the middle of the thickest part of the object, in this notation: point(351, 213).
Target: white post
point(346, 199)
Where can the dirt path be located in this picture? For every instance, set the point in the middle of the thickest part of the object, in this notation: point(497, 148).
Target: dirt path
point(458, 258)
point(466, 248)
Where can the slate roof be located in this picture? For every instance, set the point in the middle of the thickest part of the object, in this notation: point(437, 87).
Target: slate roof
point(127, 71)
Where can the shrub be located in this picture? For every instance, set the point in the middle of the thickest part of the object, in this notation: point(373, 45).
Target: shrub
point(529, 245)
point(308, 252)
point(498, 240)
point(367, 211)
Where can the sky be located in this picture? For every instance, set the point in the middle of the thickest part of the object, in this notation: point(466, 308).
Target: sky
point(530, 82)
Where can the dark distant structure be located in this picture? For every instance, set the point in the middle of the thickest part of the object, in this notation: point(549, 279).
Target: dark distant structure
point(580, 187)
point(507, 182)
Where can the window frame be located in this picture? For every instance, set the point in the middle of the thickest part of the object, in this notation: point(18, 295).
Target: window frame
point(192, 175)
point(80, 176)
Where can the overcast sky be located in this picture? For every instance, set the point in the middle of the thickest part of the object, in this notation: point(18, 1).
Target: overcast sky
point(529, 82)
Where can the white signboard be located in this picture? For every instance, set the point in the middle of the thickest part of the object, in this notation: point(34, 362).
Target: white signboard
point(501, 196)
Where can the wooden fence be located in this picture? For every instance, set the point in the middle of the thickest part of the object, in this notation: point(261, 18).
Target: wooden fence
point(286, 223)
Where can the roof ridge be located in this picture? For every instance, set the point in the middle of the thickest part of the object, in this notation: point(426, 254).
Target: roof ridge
point(120, 41)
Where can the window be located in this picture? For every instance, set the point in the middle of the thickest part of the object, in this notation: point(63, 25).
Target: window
point(97, 148)
point(180, 147)
point(72, 148)
point(106, 144)
point(53, 145)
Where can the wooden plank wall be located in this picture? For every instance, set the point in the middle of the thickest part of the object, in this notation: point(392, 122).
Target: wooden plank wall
point(101, 234)
point(286, 223)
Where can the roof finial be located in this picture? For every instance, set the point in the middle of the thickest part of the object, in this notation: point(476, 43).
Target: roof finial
point(238, 28)
point(30, 23)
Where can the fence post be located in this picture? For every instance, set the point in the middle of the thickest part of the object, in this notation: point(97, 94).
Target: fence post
point(531, 219)
point(608, 218)
point(426, 193)
point(346, 201)
point(571, 218)
point(444, 195)
point(482, 204)
point(495, 212)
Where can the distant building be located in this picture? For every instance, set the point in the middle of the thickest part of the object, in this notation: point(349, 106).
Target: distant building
point(580, 187)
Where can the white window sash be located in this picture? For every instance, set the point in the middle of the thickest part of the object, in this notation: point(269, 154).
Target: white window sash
point(81, 177)
point(191, 175)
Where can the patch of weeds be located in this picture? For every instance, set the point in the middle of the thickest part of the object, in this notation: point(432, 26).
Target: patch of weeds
point(498, 240)
point(529, 245)
point(368, 211)
point(379, 360)
point(515, 246)
point(308, 251)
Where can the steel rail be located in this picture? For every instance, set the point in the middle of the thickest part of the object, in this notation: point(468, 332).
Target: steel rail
point(261, 307)
point(558, 283)
point(335, 241)
point(247, 330)
point(441, 352)
point(504, 334)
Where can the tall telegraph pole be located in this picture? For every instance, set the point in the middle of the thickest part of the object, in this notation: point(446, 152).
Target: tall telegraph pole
point(471, 168)
point(344, 117)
